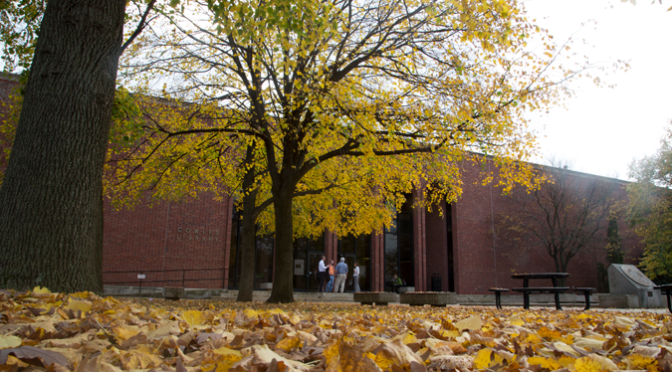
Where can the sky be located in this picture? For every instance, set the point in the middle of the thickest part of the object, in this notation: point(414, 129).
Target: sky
point(602, 130)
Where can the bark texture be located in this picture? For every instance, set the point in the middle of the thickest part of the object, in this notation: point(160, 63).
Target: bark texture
point(248, 231)
point(283, 279)
point(51, 214)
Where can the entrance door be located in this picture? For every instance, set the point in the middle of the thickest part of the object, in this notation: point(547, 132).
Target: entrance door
point(349, 284)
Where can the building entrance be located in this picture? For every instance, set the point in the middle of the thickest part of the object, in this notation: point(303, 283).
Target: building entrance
point(307, 255)
point(263, 257)
point(356, 249)
point(399, 246)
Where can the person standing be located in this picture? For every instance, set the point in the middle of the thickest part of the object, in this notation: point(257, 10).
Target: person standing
point(321, 274)
point(331, 270)
point(355, 277)
point(341, 275)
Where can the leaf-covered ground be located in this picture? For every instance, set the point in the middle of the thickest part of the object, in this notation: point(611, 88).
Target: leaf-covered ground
point(40, 331)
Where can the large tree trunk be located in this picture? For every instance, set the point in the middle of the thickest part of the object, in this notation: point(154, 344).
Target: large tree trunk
point(248, 241)
point(283, 275)
point(51, 214)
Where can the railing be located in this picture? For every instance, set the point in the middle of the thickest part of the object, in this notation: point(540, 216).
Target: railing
point(168, 278)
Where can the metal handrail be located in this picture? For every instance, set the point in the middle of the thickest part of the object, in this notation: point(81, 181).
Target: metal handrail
point(183, 279)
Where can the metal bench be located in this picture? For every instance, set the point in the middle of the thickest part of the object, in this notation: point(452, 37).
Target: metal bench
point(498, 296)
point(555, 290)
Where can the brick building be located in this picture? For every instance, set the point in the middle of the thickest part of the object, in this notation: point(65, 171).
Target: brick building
point(195, 243)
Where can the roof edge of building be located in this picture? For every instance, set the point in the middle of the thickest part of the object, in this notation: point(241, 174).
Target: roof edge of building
point(9, 76)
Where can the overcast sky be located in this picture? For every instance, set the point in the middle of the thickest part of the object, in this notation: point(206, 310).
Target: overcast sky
point(602, 130)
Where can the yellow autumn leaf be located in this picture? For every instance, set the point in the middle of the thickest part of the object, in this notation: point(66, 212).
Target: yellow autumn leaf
point(516, 320)
point(82, 305)
point(289, 343)
point(472, 323)
point(547, 363)
point(639, 361)
point(265, 355)
point(124, 333)
point(594, 363)
point(193, 317)
point(8, 341)
point(566, 361)
point(226, 361)
point(559, 346)
point(384, 360)
point(14, 361)
point(487, 358)
point(41, 290)
point(407, 338)
point(448, 334)
point(548, 334)
point(532, 338)
point(251, 313)
point(135, 359)
point(226, 351)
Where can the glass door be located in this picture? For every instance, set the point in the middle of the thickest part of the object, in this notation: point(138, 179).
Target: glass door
point(307, 256)
point(399, 247)
point(312, 278)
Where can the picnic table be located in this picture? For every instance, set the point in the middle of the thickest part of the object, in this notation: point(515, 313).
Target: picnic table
point(667, 289)
point(526, 289)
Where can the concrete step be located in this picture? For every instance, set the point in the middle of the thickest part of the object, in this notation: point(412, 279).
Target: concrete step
point(298, 296)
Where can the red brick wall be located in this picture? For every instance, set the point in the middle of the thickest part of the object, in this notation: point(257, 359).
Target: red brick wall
point(147, 239)
point(193, 235)
point(484, 259)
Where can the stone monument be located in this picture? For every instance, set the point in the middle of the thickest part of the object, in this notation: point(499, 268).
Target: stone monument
point(627, 279)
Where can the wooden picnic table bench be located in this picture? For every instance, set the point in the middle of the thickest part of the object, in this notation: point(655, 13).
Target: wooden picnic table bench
point(498, 296)
point(667, 289)
point(526, 289)
point(586, 294)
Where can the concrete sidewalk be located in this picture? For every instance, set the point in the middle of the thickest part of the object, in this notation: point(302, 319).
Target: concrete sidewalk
point(568, 300)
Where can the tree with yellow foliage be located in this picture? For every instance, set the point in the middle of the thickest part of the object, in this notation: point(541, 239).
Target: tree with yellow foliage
point(146, 158)
point(419, 84)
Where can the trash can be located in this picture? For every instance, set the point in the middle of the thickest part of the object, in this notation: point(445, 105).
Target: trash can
point(436, 282)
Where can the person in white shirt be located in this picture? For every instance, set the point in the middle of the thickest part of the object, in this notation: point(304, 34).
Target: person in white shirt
point(321, 274)
point(355, 277)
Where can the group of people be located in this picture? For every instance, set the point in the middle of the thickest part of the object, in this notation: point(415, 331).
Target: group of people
point(337, 276)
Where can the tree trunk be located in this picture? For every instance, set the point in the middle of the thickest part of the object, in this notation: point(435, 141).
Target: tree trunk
point(247, 264)
point(51, 214)
point(248, 241)
point(283, 275)
point(561, 267)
